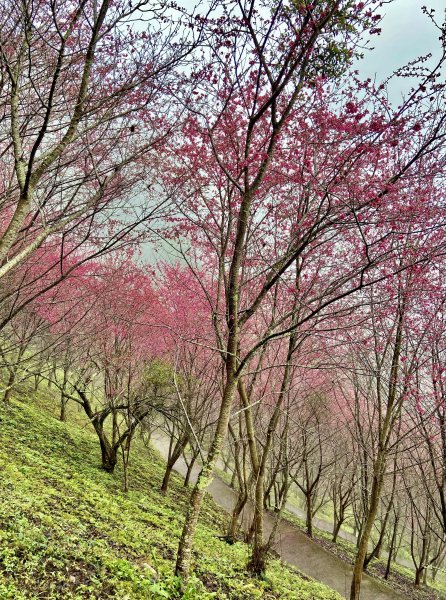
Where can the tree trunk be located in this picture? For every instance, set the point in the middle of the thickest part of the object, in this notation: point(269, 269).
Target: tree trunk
point(63, 398)
point(279, 511)
point(336, 529)
point(226, 460)
point(166, 478)
point(234, 523)
point(63, 406)
point(190, 466)
point(391, 549)
point(184, 556)
point(418, 575)
point(272, 487)
point(108, 452)
point(109, 458)
point(257, 562)
point(376, 552)
point(309, 514)
point(10, 385)
point(233, 478)
point(125, 462)
point(174, 456)
point(242, 497)
point(366, 532)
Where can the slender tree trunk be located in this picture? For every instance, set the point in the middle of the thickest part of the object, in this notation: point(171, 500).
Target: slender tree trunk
point(233, 479)
point(234, 523)
point(63, 406)
point(226, 460)
point(39, 369)
point(167, 474)
point(115, 429)
point(174, 456)
point(309, 514)
point(52, 374)
point(63, 398)
point(250, 533)
point(276, 499)
point(125, 462)
point(190, 466)
point(339, 518)
point(280, 508)
point(272, 487)
point(376, 552)
point(283, 491)
point(336, 529)
point(184, 556)
point(381, 457)
point(367, 529)
point(10, 385)
point(242, 498)
point(391, 549)
point(257, 562)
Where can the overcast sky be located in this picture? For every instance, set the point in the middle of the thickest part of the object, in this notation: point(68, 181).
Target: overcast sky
point(406, 34)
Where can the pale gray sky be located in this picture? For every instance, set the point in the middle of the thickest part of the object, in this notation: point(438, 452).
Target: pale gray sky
point(406, 34)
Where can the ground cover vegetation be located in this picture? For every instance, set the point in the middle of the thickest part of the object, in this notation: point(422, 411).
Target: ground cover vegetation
point(69, 531)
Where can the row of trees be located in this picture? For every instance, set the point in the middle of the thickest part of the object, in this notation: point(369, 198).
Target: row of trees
point(134, 351)
point(307, 213)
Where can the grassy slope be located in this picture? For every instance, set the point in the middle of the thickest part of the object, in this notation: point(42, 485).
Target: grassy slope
point(68, 531)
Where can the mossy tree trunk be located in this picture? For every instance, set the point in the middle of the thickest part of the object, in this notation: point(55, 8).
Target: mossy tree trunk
point(185, 547)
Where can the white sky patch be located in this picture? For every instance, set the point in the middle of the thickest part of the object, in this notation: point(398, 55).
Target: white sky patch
point(406, 34)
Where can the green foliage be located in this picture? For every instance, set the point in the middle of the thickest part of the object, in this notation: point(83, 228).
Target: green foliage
point(67, 531)
point(159, 373)
point(334, 51)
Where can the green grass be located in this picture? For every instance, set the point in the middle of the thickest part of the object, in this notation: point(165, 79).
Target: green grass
point(67, 531)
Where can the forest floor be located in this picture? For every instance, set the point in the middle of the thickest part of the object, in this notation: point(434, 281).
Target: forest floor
point(319, 557)
point(296, 548)
point(67, 531)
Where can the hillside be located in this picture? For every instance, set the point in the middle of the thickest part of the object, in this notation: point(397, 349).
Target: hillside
point(68, 532)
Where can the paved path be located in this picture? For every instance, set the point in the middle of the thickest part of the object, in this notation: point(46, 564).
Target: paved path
point(327, 526)
point(292, 545)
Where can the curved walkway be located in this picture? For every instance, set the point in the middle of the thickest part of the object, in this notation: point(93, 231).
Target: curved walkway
point(292, 545)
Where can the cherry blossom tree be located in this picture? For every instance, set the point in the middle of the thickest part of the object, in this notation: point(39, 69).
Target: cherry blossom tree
point(87, 97)
point(276, 173)
point(108, 312)
point(386, 361)
point(189, 347)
